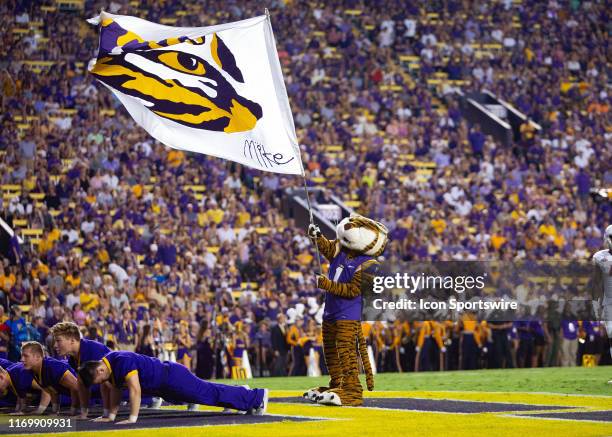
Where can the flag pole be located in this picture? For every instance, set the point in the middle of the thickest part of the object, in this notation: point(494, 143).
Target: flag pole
point(267, 12)
point(311, 218)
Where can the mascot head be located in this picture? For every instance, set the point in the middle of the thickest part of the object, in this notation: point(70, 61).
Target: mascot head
point(362, 235)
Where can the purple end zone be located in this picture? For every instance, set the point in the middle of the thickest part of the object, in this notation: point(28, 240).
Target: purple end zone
point(437, 405)
point(599, 416)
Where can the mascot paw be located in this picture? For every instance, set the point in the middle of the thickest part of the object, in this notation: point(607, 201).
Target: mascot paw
point(322, 282)
point(314, 231)
point(329, 398)
point(311, 395)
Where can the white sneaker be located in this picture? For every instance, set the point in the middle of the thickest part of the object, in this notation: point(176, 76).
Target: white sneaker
point(192, 407)
point(156, 405)
point(230, 411)
point(261, 410)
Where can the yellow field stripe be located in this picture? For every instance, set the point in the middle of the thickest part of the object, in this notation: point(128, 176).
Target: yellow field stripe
point(361, 421)
point(374, 422)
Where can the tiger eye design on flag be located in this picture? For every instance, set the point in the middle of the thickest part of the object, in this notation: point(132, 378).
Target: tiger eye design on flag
point(176, 85)
point(214, 90)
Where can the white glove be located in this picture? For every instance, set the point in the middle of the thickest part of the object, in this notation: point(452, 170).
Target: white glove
point(417, 349)
point(313, 231)
point(443, 349)
point(485, 350)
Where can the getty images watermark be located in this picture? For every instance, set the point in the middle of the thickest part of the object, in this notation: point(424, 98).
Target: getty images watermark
point(427, 283)
point(493, 290)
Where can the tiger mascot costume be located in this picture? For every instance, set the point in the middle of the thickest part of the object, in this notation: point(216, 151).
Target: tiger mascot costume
point(352, 257)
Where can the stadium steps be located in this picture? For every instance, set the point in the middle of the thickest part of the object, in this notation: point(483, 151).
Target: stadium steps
point(325, 215)
point(495, 116)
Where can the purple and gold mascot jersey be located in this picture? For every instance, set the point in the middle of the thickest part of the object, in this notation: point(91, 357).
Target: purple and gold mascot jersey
point(342, 269)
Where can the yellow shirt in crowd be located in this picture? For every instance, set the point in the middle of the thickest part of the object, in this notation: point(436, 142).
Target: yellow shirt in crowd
point(7, 281)
point(215, 215)
point(175, 158)
point(40, 268)
point(89, 301)
point(439, 225)
point(74, 281)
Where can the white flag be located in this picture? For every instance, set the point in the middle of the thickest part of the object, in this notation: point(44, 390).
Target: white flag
point(215, 90)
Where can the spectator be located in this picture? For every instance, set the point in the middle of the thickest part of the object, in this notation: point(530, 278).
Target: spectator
point(569, 340)
point(280, 346)
point(126, 332)
point(117, 201)
point(18, 333)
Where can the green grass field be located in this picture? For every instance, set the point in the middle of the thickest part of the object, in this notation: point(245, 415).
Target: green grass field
point(565, 380)
point(574, 390)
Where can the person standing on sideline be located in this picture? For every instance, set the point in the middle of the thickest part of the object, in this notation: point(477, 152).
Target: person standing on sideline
point(205, 357)
point(569, 337)
point(501, 354)
point(280, 346)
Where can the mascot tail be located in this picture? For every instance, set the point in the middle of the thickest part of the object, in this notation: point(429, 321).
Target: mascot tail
point(365, 360)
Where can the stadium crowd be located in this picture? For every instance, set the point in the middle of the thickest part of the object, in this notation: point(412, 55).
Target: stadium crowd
point(144, 246)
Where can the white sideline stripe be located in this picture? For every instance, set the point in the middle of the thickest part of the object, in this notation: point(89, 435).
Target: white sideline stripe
point(308, 417)
point(535, 416)
point(496, 392)
point(565, 394)
point(412, 411)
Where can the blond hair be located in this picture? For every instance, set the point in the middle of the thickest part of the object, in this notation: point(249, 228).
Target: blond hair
point(66, 329)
